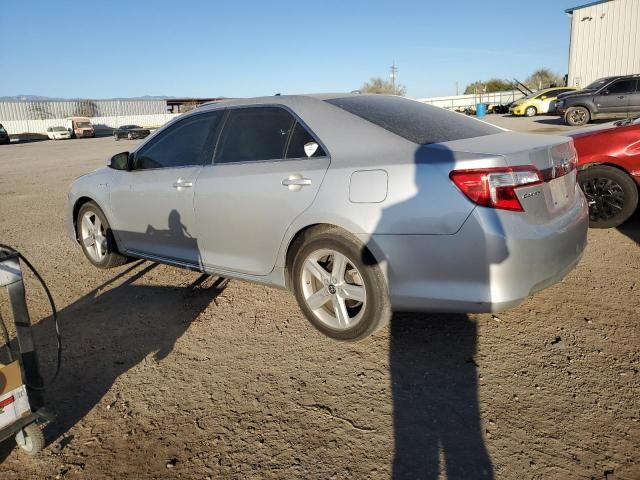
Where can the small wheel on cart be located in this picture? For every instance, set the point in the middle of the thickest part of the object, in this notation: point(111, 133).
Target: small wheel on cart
point(31, 439)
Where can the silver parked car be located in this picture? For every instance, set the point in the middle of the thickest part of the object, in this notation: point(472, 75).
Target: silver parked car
point(360, 204)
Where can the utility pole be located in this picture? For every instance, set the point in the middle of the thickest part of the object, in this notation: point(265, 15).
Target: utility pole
point(394, 73)
point(456, 88)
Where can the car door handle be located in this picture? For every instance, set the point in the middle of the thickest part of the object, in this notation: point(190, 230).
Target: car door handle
point(182, 184)
point(621, 97)
point(296, 181)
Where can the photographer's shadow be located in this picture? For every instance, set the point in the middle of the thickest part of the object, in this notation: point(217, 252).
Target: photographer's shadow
point(435, 398)
point(436, 410)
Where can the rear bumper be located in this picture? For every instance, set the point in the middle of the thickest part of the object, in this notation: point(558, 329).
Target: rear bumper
point(493, 263)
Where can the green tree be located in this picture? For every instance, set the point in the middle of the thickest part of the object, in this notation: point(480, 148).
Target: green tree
point(490, 86)
point(543, 78)
point(379, 85)
point(498, 85)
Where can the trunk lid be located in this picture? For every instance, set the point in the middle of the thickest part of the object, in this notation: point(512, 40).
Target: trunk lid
point(553, 156)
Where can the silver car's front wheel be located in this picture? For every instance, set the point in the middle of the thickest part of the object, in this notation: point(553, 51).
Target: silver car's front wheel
point(333, 289)
point(93, 236)
point(338, 284)
point(96, 238)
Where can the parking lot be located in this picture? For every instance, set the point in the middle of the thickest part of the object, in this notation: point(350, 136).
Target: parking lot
point(170, 374)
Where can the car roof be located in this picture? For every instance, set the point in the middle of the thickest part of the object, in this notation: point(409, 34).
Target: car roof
point(287, 100)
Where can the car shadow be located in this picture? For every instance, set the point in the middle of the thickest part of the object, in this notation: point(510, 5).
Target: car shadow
point(552, 119)
point(631, 228)
point(111, 330)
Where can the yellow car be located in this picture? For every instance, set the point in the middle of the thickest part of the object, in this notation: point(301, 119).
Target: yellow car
point(542, 101)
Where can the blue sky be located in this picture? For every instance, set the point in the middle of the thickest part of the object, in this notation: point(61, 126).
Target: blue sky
point(249, 48)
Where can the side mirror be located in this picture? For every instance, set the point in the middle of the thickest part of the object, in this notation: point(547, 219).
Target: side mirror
point(543, 97)
point(120, 161)
point(605, 92)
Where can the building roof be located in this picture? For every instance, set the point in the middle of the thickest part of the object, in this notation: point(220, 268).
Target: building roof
point(591, 4)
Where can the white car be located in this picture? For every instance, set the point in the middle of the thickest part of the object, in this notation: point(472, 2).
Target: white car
point(58, 133)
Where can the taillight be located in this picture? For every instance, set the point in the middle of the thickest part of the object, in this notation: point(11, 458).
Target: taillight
point(564, 159)
point(495, 187)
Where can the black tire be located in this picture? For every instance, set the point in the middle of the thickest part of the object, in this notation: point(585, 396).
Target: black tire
point(612, 195)
point(34, 439)
point(116, 137)
point(377, 307)
point(530, 112)
point(577, 116)
point(112, 258)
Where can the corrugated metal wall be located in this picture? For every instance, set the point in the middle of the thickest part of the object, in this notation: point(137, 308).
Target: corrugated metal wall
point(36, 117)
point(81, 108)
point(605, 40)
point(457, 101)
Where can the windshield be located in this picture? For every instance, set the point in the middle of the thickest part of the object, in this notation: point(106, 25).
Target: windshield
point(135, 126)
point(83, 125)
point(59, 129)
point(2, 130)
point(530, 96)
point(597, 84)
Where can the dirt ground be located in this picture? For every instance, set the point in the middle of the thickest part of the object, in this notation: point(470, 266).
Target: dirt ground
point(169, 374)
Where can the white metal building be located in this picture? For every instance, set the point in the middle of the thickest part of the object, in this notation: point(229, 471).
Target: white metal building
point(605, 40)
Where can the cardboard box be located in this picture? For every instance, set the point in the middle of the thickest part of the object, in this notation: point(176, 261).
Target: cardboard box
point(14, 402)
point(10, 377)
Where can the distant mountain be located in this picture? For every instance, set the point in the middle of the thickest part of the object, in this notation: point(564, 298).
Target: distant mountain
point(26, 98)
point(40, 98)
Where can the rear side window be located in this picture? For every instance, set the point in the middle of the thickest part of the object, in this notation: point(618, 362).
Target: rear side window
point(181, 144)
point(415, 121)
point(622, 86)
point(303, 145)
point(254, 134)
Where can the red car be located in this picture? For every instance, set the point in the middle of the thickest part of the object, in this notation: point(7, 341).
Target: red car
point(609, 164)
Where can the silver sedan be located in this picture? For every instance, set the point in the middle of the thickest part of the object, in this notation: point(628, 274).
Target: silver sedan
point(361, 205)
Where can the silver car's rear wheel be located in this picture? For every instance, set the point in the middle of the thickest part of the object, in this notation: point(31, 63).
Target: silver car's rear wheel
point(96, 238)
point(333, 289)
point(338, 284)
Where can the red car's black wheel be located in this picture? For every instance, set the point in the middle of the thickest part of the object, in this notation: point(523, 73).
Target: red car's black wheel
point(611, 193)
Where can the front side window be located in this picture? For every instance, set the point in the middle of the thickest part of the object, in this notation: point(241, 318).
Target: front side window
point(254, 134)
point(550, 94)
point(622, 86)
point(182, 144)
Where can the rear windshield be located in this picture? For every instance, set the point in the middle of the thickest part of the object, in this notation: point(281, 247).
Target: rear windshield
point(417, 122)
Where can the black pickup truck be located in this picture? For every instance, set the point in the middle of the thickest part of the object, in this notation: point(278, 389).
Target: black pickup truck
point(609, 97)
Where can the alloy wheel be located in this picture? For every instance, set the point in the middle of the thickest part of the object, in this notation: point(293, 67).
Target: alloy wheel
point(579, 116)
point(605, 198)
point(93, 236)
point(333, 289)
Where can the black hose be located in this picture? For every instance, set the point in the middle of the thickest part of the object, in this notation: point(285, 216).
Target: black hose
point(54, 315)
